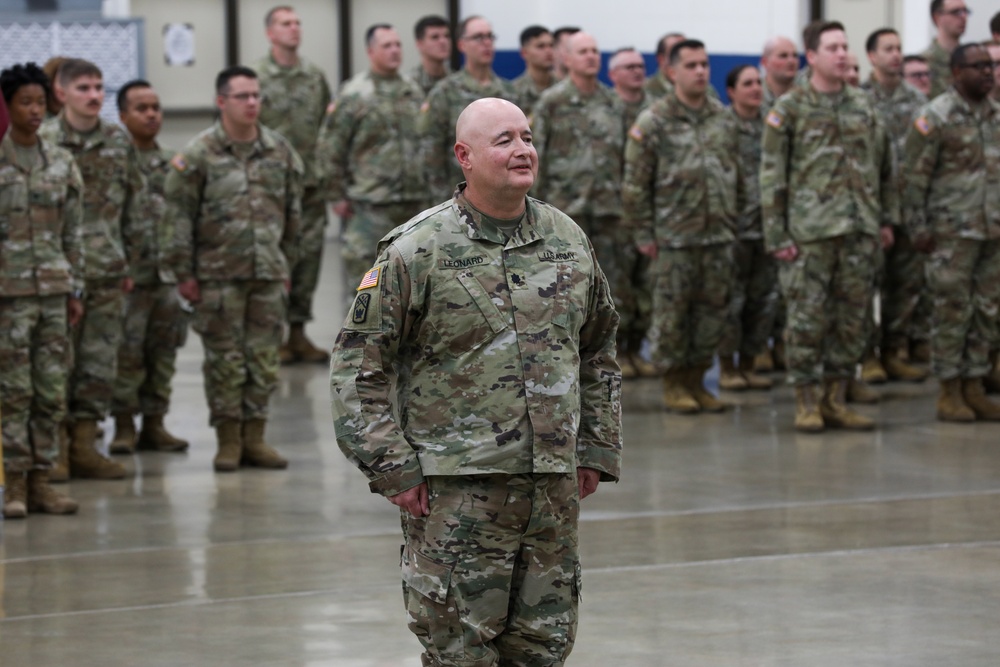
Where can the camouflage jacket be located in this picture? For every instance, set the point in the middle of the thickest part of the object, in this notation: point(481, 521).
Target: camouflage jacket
point(633, 109)
point(234, 220)
point(897, 108)
point(750, 132)
point(500, 354)
point(683, 183)
point(41, 235)
point(436, 126)
point(953, 169)
point(657, 86)
point(579, 139)
point(425, 80)
point(150, 264)
point(826, 168)
point(939, 62)
point(293, 103)
point(527, 92)
point(368, 141)
point(111, 178)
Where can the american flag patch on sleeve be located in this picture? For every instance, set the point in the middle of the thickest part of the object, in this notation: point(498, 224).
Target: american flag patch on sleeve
point(923, 125)
point(370, 279)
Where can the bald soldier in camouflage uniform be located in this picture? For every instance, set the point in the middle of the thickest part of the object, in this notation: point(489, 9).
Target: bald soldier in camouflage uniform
point(41, 277)
point(828, 192)
point(440, 111)
point(295, 98)
point(365, 148)
point(233, 195)
point(579, 132)
point(682, 192)
point(488, 322)
point(897, 103)
point(111, 179)
point(952, 204)
point(155, 323)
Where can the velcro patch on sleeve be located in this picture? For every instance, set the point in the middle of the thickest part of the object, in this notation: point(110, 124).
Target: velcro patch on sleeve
point(178, 162)
point(636, 133)
point(923, 125)
point(774, 119)
point(370, 279)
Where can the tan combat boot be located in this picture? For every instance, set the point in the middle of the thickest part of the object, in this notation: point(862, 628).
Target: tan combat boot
point(764, 362)
point(834, 410)
point(84, 461)
point(256, 452)
point(872, 371)
point(730, 378)
point(676, 396)
point(43, 498)
point(975, 397)
point(60, 467)
point(155, 436)
point(230, 443)
point(807, 415)
point(302, 348)
point(859, 392)
point(695, 384)
point(124, 440)
point(951, 405)
point(15, 496)
point(644, 368)
point(754, 381)
point(897, 368)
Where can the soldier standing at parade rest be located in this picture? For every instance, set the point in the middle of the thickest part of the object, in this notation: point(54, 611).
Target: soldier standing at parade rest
point(441, 109)
point(682, 192)
point(578, 128)
point(295, 98)
point(897, 104)
point(233, 195)
point(111, 181)
point(538, 53)
point(489, 324)
point(828, 196)
point(755, 290)
point(155, 323)
point(433, 35)
point(950, 18)
point(365, 148)
point(952, 203)
point(41, 275)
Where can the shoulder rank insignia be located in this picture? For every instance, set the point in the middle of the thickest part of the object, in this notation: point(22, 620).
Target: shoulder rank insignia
point(635, 133)
point(370, 280)
point(178, 162)
point(774, 119)
point(923, 125)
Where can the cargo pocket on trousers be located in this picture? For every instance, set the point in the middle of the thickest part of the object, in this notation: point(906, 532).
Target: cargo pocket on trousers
point(425, 593)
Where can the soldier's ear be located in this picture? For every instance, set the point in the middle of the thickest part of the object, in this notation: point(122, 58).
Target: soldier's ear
point(462, 154)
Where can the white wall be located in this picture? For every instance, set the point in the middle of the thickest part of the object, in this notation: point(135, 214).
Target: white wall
point(401, 14)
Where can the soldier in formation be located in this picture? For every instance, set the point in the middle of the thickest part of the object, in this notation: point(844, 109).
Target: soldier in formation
point(111, 182)
point(364, 149)
point(433, 35)
point(155, 324)
point(950, 18)
point(234, 198)
point(41, 284)
point(537, 50)
point(295, 98)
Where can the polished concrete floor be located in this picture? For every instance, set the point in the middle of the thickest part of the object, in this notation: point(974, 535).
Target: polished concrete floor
point(730, 541)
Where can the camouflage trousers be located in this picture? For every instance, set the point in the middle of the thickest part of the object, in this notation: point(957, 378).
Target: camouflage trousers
point(636, 291)
point(364, 229)
point(96, 341)
point(827, 290)
point(240, 324)
point(155, 328)
point(305, 273)
point(691, 289)
point(963, 277)
point(492, 576)
point(33, 377)
point(754, 300)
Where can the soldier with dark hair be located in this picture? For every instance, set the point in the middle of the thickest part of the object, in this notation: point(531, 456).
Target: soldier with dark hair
point(233, 196)
point(538, 52)
point(433, 34)
point(950, 18)
point(41, 278)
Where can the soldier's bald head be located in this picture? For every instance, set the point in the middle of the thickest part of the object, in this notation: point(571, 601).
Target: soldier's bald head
point(477, 119)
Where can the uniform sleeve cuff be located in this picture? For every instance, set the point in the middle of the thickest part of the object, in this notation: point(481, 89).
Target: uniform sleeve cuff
point(398, 480)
